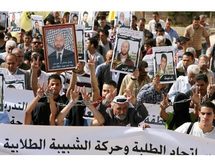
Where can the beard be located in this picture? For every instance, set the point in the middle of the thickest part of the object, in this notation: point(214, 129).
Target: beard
point(120, 117)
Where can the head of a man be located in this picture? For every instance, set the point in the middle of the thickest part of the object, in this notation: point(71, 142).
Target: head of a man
point(85, 16)
point(125, 47)
point(163, 62)
point(192, 71)
point(109, 56)
point(120, 106)
point(207, 115)
point(19, 55)
point(204, 63)
point(11, 61)
point(196, 22)
point(10, 45)
point(187, 59)
point(36, 44)
point(59, 42)
point(55, 84)
point(141, 24)
point(156, 16)
point(202, 84)
point(103, 35)
point(108, 87)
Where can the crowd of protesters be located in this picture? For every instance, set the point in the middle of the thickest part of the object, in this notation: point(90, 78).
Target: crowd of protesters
point(93, 95)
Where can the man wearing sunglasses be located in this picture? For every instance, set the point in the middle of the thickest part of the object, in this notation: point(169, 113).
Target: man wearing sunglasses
point(204, 127)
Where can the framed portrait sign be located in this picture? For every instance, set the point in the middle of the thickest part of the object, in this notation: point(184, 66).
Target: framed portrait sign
point(126, 50)
point(1, 91)
point(60, 48)
point(164, 63)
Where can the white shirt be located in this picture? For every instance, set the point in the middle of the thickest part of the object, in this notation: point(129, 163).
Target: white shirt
point(195, 130)
point(151, 25)
point(180, 85)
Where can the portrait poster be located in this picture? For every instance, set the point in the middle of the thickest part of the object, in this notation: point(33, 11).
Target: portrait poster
point(60, 48)
point(1, 91)
point(164, 63)
point(123, 19)
point(150, 60)
point(14, 81)
point(126, 50)
point(37, 24)
point(4, 20)
point(14, 21)
point(80, 41)
point(74, 17)
point(87, 20)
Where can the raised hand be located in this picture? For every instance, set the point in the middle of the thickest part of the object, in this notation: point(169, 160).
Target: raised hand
point(196, 97)
point(165, 102)
point(40, 92)
point(74, 94)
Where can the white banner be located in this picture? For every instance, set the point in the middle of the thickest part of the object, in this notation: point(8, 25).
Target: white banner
point(15, 103)
point(29, 139)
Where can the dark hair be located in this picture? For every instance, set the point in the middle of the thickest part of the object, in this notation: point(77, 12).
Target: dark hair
point(189, 54)
point(134, 17)
point(104, 31)
point(85, 12)
point(142, 19)
point(94, 41)
point(28, 33)
point(1, 35)
point(149, 42)
point(196, 18)
point(202, 77)
point(156, 13)
point(164, 56)
point(208, 104)
point(111, 82)
point(54, 76)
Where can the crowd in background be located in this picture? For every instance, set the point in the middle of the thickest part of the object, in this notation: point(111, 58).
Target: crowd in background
point(93, 95)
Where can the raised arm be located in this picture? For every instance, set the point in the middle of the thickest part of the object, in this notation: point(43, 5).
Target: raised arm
point(72, 83)
point(74, 94)
point(35, 67)
point(94, 81)
point(97, 115)
point(163, 105)
point(32, 105)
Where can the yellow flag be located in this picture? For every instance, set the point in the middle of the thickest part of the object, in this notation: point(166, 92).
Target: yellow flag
point(25, 19)
point(111, 15)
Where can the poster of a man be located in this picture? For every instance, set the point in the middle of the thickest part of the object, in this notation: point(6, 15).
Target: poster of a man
point(123, 19)
point(87, 20)
point(164, 64)
point(14, 21)
point(37, 23)
point(126, 50)
point(61, 49)
point(123, 59)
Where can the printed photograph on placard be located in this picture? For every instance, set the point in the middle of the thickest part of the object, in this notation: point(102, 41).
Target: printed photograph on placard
point(127, 50)
point(60, 47)
point(123, 19)
point(74, 17)
point(80, 41)
point(87, 20)
point(164, 63)
point(14, 21)
point(1, 92)
point(3, 20)
point(37, 23)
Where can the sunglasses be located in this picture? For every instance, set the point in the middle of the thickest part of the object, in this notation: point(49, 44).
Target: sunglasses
point(36, 43)
point(207, 113)
point(120, 100)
